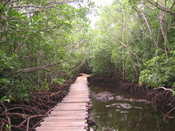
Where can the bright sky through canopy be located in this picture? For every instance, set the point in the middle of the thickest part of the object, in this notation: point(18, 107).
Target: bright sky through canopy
point(99, 3)
point(103, 2)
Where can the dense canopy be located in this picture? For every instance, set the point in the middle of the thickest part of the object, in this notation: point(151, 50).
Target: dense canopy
point(46, 42)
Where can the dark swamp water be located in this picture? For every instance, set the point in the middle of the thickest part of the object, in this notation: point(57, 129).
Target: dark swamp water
point(125, 115)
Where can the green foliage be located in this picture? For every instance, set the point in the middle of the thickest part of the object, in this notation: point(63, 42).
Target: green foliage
point(29, 42)
point(101, 63)
point(114, 45)
point(159, 71)
point(141, 37)
point(59, 81)
point(51, 44)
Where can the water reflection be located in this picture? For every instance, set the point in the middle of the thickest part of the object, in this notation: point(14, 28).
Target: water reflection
point(128, 116)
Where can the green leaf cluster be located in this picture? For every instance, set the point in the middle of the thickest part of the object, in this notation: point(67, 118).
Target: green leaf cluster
point(32, 39)
point(134, 39)
point(159, 71)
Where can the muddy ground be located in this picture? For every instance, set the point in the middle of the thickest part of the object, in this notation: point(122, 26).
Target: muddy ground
point(26, 115)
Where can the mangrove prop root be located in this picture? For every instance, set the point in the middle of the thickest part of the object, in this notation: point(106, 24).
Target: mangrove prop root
point(25, 116)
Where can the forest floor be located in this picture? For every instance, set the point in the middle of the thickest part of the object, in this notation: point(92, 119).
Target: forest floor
point(26, 115)
point(162, 100)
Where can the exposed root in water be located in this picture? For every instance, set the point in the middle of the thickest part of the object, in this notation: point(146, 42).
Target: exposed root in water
point(161, 98)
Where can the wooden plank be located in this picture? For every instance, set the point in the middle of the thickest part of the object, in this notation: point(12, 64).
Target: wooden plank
point(78, 90)
point(72, 109)
point(76, 97)
point(82, 117)
point(71, 114)
point(64, 123)
point(76, 100)
point(71, 104)
point(61, 124)
point(76, 93)
point(65, 120)
point(69, 108)
point(66, 113)
point(61, 129)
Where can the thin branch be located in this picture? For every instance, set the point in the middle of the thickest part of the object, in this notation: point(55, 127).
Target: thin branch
point(28, 121)
point(24, 116)
point(166, 89)
point(168, 10)
point(172, 109)
point(172, 6)
point(143, 16)
point(163, 30)
point(48, 5)
point(6, 114)
point(37, 68)
point(146, 22)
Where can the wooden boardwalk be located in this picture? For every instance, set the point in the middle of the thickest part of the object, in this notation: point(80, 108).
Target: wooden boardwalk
point(71, 114)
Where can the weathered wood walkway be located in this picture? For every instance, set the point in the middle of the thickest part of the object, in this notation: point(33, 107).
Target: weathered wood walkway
point(71, 114)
